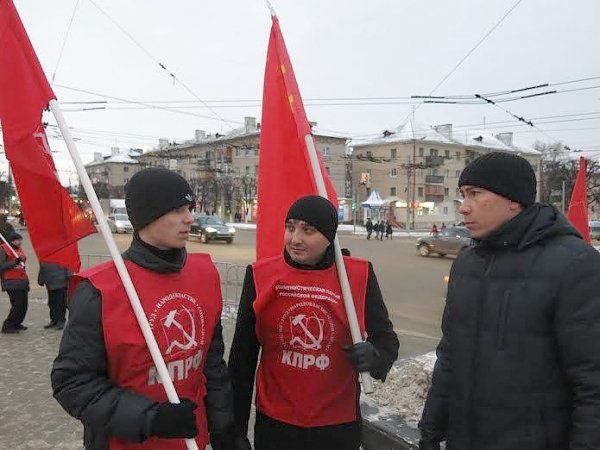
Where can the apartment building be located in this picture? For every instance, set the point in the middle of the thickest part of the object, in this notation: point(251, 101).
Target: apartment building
point(110, 173)
point(223, 168)
point(416, 167)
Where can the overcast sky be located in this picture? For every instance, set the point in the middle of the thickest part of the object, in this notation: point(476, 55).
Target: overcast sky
point(371, 52)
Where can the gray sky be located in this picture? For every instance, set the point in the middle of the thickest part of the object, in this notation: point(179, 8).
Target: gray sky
point(340, 49)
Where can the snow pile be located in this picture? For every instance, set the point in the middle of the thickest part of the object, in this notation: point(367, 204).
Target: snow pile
point(406, 387)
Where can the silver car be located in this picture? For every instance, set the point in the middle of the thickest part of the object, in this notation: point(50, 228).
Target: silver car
point(447, 242)
point(119, 223)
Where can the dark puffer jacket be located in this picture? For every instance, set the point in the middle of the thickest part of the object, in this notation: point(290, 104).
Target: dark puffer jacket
point(519, 362)
point(80, 371)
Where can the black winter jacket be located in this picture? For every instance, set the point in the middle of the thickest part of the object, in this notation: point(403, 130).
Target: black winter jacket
point(243, 357)
point(53, 276)
point(80, 371)
point(519, 362)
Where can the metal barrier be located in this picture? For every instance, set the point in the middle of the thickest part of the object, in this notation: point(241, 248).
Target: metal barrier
point(231, 275)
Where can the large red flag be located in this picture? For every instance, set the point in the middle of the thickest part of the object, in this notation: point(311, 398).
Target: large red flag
point(578, 206)
point(284, 171)
point(55, 223)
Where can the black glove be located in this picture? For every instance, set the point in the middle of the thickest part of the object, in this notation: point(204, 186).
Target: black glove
point(362, 356)
point(428, 445)
point(18, 261)
point(175, 420)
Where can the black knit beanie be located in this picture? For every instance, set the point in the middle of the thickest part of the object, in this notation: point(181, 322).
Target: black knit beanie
point(13, 236)
point(505, 174)
point(316, 211)
point(152, 193)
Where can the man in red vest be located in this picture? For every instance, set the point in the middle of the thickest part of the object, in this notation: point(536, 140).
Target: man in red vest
point(15, 282)
point(292, 308)
point(104, 375)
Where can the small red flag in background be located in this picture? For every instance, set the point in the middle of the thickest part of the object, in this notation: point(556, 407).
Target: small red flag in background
point(578, 206)
point(55, 223)
point(284, 170)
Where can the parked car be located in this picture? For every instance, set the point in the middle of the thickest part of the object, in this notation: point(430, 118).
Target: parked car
point(447, 242)
point(212, 228)
point(119, 223)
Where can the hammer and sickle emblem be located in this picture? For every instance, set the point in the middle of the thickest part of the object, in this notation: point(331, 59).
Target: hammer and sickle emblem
point(312, 342)
point(170, 321)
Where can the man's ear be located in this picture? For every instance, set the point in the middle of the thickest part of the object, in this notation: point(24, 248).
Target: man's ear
point(515, 206)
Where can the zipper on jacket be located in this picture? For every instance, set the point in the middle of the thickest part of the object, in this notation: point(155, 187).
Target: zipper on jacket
point(503, 320)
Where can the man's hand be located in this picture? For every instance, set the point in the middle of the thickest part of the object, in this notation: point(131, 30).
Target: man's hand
point(175, 420)
point(362, 355)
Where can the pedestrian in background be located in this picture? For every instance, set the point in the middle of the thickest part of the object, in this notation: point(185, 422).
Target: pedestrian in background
point(369, 226)
point(292, 312)
point(6, 227)
point(56, 279)
point(15, 282)
point(104, 374)
point(518, 366)
point(381, 229)
point(434, 230)
point(388, 230)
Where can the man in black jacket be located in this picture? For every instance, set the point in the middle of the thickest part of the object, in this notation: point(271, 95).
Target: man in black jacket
point(307, 389)
point(158, 203)
point(56, 279)
point(518, 365)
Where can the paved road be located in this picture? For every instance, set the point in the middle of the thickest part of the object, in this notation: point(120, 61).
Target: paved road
point(31, 419)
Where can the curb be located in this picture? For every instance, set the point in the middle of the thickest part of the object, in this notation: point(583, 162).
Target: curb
point(385, 429)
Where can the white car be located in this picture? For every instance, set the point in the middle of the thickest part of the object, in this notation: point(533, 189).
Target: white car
point(119, 223)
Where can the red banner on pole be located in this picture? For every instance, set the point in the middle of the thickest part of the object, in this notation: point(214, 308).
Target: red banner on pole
point(578, 206)
point(54, 222)
point(284, 170)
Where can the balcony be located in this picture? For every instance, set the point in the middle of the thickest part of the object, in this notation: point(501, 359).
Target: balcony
point(434, 161)
point(434, 179)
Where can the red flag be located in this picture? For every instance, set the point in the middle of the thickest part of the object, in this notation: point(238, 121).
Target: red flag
point(55, 223)
point(284, 171)
point(578, 206)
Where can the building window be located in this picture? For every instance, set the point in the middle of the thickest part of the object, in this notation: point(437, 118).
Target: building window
point(433, 152)
point(446, 153)
point(325, 152)
point(446, 173)
point(126, 169)
point(446, 192)
point(125, 180)
point(420, 192)
point(445, 210)
point(256, 169)
point(393, 172)
point(328, 170)
point(256, 151)
point(392, 191)
point(457, 155)
point(393, 153)
point(247, 170)
point(457, 173)
point(434, 171)
point(421, 151)
point(369, 154)
point(237, 152)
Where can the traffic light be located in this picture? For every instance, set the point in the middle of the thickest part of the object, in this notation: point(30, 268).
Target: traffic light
point(353, 206)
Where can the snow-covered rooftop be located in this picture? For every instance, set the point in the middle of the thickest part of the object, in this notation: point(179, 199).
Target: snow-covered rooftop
point(413, 130)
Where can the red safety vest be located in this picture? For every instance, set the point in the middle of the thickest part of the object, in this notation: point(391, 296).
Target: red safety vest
point(18, 272)
point(182, 309)
point(304, 377)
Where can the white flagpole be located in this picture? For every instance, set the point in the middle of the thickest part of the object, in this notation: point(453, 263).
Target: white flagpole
point(365, 378)
point(84, 179)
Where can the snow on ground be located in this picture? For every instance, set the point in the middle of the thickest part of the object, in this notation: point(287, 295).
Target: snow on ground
point(406, 386)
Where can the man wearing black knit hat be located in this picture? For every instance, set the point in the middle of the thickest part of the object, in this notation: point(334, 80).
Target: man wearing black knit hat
point(518, 365)
point(104, 374)
point(291, 307)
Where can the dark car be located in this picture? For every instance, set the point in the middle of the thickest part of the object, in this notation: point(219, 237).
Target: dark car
point(447, 242)
point(212, 228)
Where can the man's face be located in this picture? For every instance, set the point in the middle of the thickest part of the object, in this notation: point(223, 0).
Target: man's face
point(170, 230)
point(484, 211)
point(304, 243)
